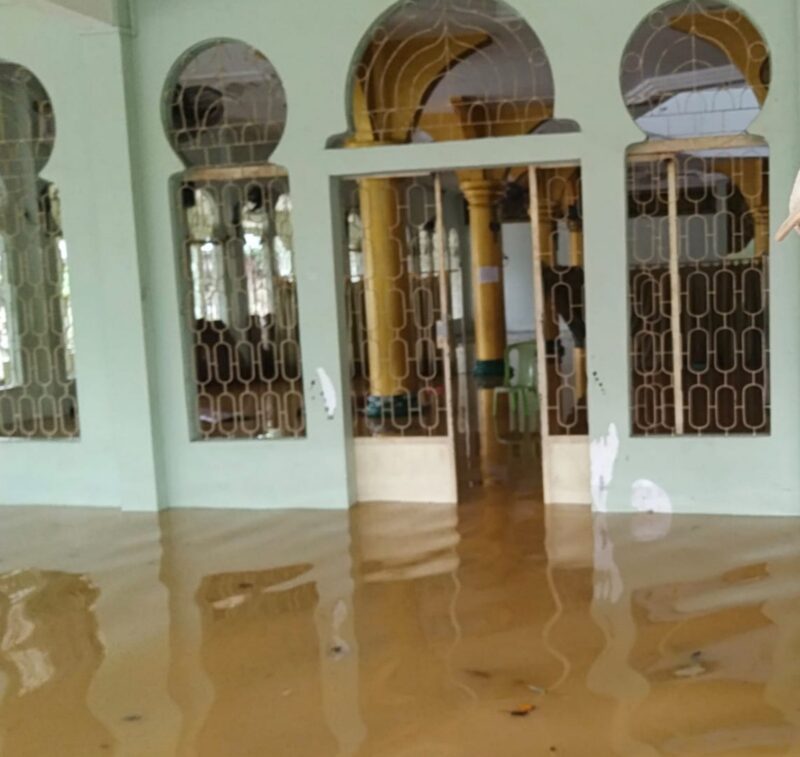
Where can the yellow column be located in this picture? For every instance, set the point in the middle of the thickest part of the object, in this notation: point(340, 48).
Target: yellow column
point(574, 223)
point(385, 292)
point(749, 176)
point(761, 229)
point(482, 196)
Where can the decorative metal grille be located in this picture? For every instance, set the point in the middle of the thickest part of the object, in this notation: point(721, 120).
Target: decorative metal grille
point(451, 69)
point(226, 105)
point(698, 244)
point(227, 112)
point(393, 305)
point(37, 352)
point(698, 223)
point(695, 67)
point(560, 266)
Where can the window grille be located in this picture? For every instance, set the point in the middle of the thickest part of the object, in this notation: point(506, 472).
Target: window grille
point(226, 111)
point(37, 346)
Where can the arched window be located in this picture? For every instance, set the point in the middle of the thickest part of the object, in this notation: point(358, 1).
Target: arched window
point(694, 76)
point(37, 349)
point(450, 69)
point(225, 112)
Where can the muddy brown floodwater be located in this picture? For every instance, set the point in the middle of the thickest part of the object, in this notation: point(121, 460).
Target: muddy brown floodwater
point(496, 628)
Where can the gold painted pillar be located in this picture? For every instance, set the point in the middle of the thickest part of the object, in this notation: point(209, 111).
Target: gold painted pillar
point(482, 196)
point(749, 176)
point(385, 293)
point(760, 215)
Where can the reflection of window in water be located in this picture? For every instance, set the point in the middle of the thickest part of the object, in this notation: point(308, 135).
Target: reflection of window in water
point(49, 654)
point(260, 644)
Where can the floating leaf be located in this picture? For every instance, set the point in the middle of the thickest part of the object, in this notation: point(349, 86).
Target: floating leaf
point(523, 710)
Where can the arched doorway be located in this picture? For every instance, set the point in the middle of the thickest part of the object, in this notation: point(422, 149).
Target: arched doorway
point(429, 257)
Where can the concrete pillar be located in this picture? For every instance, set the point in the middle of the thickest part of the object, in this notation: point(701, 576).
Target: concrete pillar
point(385, 292)
point(482, 196)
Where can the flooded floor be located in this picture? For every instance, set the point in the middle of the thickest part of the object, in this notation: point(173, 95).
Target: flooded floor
point(496, 628)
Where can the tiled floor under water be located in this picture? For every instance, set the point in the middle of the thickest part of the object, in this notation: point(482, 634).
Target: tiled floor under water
point(498, 628)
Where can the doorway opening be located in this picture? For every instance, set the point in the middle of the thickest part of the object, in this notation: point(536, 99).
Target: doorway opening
point(464, 294)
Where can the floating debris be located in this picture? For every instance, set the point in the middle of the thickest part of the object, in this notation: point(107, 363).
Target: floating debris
point(229, 603)
point(692, 671)
point(535, 689)
point(478, 673)
point(337, 651)
point(522, 711)
point(339, 648)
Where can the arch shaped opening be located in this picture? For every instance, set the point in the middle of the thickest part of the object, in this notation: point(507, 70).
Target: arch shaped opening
point(224, 104)
point(37, 346)
point(695, 68)
point(224, 114)
point(694, 76)
point(450, 70)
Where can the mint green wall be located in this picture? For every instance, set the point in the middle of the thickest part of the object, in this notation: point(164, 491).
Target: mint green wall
point(131, 380)
point(300, 472)
point(112, 463)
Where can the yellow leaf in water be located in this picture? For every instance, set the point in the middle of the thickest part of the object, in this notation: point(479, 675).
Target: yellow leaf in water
point(523, 710)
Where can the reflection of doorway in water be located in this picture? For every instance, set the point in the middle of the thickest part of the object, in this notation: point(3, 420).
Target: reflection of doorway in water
point(518, 329)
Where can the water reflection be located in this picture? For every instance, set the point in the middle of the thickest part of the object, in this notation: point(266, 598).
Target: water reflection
point(691, 648)
point(260, 651)
point(498, 627)
point(49, 653)
point(400, 542)
point(246, 662)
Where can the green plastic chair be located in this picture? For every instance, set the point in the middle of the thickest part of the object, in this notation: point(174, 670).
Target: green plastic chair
point(520, 384)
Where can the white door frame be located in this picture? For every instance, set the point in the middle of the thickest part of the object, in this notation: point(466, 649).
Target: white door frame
point(416, 468)
point(565, 458)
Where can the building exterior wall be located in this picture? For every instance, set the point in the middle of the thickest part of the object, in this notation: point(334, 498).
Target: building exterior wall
point(112, 163)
